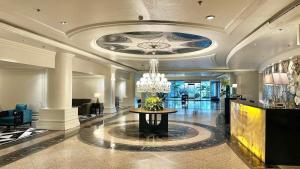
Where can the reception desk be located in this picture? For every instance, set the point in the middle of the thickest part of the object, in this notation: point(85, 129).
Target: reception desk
point(273, 135)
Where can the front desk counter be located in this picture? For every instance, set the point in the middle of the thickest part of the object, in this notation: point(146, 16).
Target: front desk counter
point(272, 134)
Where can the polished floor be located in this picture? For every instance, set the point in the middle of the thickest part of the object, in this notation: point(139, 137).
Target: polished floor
point(197, 140)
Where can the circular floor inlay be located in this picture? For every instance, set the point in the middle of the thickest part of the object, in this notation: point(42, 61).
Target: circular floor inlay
point(131, 131)
point(125, 136)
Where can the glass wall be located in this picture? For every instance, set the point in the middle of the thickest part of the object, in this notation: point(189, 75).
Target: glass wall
point(177, 90)
point(215, 89)
point(203, 90)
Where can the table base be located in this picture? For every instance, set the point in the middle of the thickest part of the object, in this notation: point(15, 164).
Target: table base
point(153, 126)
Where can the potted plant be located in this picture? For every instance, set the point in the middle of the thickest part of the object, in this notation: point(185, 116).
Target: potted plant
point(225, 87)
point(153, 103)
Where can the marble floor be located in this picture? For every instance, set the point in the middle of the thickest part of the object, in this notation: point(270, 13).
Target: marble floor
point(197, 140)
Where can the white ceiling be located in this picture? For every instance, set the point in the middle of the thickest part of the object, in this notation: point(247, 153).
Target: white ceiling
point(272, 40)
point(205, 74)
point(86, 20)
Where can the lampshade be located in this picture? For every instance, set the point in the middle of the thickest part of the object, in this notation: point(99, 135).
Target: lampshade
point(280, 78)
point(97, 95)
point(234, 85)
point(268, 79)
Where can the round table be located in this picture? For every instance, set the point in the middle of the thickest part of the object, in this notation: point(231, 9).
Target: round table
point(153, 125)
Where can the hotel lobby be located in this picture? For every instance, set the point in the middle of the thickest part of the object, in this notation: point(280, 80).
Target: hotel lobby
point(149, 84)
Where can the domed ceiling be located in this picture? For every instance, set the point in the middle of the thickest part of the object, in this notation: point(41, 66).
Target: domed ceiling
point(150, 43)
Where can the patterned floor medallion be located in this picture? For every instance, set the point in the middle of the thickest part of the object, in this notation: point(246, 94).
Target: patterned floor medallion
point(183, 136)
point(7, 136)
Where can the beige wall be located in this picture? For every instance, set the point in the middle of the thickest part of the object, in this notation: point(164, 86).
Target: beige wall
point(21, 53)
point(260, 86)
point(248, 84)
point(30, 85)
point(121, 88)
point(85, 87)
point(83, 66)
point(22, 86)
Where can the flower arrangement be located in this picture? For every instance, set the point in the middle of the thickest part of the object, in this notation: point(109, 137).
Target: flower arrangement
point(153, 104)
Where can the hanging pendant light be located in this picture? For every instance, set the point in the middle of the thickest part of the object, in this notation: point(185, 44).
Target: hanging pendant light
point(153, 82)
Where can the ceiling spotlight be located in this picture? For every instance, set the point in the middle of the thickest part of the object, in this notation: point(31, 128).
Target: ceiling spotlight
point(141, 17)
point(200, 3)
point(38, 10)
point(63, 22)
point(210, 17)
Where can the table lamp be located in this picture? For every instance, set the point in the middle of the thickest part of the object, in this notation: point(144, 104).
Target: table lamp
point(268, 80)
point(280, 78)
point(97, 95)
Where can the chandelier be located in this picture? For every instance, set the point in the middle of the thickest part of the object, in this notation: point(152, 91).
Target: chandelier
point(153, 82)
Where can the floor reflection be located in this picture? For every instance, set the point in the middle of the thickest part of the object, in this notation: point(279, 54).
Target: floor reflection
point(197, 141)
point(196, 105)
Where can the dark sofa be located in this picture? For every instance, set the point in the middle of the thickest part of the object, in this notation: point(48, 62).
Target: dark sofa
point(84, 106)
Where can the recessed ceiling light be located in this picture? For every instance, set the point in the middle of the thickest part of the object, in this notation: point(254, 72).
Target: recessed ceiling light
point(63, 22)
point(210, 17)
point(38, 10)
point(140, 17)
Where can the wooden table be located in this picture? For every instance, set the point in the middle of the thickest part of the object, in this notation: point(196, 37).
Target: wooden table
point(153, 125)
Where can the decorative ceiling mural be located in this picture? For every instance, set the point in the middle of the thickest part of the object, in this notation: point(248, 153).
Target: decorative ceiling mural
point(153, 43)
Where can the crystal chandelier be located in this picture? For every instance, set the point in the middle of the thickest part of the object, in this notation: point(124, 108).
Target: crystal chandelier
point(153, 82)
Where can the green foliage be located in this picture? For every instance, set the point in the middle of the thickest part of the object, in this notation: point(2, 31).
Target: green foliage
point(153, 104)
point(224, 82)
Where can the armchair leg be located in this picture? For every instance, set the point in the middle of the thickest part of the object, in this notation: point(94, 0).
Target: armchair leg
point(30, 124)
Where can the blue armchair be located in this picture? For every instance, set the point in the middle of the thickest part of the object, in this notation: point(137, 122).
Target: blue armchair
point(9, 117)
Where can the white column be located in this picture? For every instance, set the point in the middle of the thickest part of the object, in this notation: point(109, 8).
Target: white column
point(130, 89)
point(109, 91)
point(59, 114)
